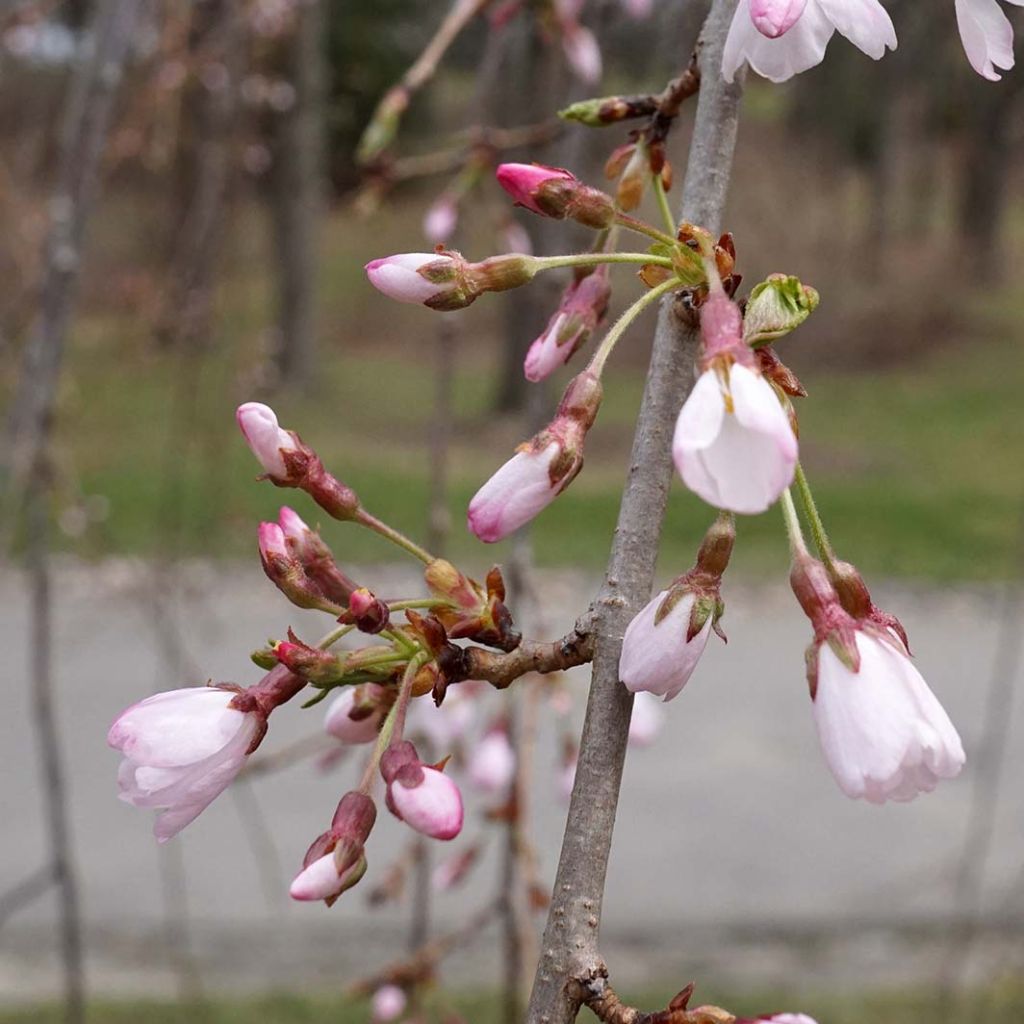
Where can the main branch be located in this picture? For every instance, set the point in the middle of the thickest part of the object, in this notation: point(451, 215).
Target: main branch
point(570, 957)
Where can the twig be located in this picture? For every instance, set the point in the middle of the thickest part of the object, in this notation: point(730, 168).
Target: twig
point(27, 891)
point(570, 951)
point(599, 996)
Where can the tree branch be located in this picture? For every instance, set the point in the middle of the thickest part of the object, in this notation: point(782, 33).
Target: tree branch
point(570, 955)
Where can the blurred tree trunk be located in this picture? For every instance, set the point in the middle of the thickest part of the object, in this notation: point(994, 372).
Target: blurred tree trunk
point(297, 197)
point(990, 130)
point(209, 109)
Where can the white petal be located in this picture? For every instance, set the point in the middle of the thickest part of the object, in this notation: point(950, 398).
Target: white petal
point(800, 48)
point(987, 36)
point(864, 22)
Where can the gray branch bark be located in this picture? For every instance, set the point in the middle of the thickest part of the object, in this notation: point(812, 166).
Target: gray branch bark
point(570, 956)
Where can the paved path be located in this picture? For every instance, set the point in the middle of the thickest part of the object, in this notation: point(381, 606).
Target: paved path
point(730, 821)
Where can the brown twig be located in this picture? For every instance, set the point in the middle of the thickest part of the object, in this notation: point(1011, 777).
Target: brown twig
point(570, 951)
point(599, 996)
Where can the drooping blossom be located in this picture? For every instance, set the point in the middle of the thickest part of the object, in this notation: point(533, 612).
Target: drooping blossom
point(388, 1004)
point(580, 311)
point(657, 657)
point(646, 721)
point(420, 795)
point(492, 762)
point(416, 277)
point(781, 38)
point(354, 716)
point(733, 444)
point(987, 36)
point(321, 880)
point(884, 734)
point(181, 750)
point(265, 437)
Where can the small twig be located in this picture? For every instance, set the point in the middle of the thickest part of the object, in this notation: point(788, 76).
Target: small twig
point(598, 995)
point(503, 669)
point(26, 891)
point(419, 966)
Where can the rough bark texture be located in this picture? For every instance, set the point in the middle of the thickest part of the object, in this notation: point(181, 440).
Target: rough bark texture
point(569, 953)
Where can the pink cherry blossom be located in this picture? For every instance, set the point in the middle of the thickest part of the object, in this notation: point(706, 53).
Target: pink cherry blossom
point(339, 723)
point(272, 542)
point(492, 762)
point(521, 181)
point(322, 881)
point(658, 658)
point(739, 458)
point(987, 36)
point(388, 1004)
point(766, 35)
point(181, 750)
point(883, 733)
point(516, 493)
point(265, 437)
point(431, 805)
point(400, 277)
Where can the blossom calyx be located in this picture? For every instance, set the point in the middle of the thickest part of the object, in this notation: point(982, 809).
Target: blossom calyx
point(366, 611)
point(316, 557)
point(603, 110)
point(856, 599)
point(467, 610)
point(776, 306)
point(575, 415)
point(832, 624)
point(555, 192)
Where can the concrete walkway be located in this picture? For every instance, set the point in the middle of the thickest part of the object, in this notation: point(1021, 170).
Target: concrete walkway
point(735, 852)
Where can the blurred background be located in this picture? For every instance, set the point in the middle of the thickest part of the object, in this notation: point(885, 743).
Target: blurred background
point(186, 212)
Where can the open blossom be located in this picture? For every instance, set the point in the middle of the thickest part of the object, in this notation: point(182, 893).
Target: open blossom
point(884, 734)
point(657, 658)
point(181, 750)
point(354, 716)
point(492, 762)
point(421, 796)
point(781, 38)
point(519, 490)
point(265, 437)
point(402, 277)
point(987, 36)
point(733, 443)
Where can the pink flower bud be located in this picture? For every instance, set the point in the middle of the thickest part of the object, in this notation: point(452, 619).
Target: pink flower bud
point(734, 445)
point(779, 1018)
point(421, 796)
point(265, 438)
point(523, 181)
point(492, 762)
point(582, 52)
point(272, 542)
point(657, 657)
point(883, 733)
point(321, 880)
point(354, 716)
point(404, 277)
point(773, 18)
point(292, 526)
point(441, 219)
point(181, 750)
point(388, 1004)
point(515, 494)
point(580, 310)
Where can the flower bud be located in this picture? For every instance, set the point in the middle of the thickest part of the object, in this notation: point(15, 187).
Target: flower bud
point(440, 221)
point(369, 613)
point(418, 277)
point(856, 600)
point(492, 762)
point(316, 558)
point(421, 796)
point(287, 573)
point(355, 715)
point(265, 438)
point(554, 192)
point(388, 1004)
point(322, 880)
point(773, 18)
point(580, 311)
point(776, 306)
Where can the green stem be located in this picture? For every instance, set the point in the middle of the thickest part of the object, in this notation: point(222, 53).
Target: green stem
point(604, 349)
point(330, 639)
point(666, 210)
point(419, 602)
point(593, 259)
point(643, 228)
point(405, 695)
point(371, 522)
point(797, 545)
point(396, 636)
point(818, 533)
point(383, 741)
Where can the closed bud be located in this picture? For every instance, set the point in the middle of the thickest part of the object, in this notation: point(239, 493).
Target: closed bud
point(776, 306)
point(420, 795)
point(554, 192)
point(287, 572)
point(369, 613)
point(267, 441)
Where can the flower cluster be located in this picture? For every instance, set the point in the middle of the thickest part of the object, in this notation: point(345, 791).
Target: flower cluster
point(781, 38)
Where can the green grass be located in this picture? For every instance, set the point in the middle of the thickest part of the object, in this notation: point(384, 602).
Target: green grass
point(917, 468)
point(998, 1005)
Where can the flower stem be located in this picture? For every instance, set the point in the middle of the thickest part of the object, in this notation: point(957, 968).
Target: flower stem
point(328, 640)
point(383, 741)
point(666, 210)
point(797, 544)
point(643, 228)
point(592, 259)
point(405, 695)
point(818, 533)
point(371, 522)
point(418, 602)
point(604, 350)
